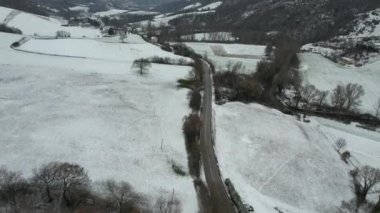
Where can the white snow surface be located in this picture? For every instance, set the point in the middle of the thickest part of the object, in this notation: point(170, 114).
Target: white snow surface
point(276, 161)
point(143, 12)
point(326, 75)
point(245, 49)
point(211, 6)
point(31, 24)
point(135, 47)
point(165, 18)
point(221, 62)
point(364, 145)
point(191, 6)
point(4, 13)
point(79, 8)
point(111, 12)
point(98, 113)
point(325, 51)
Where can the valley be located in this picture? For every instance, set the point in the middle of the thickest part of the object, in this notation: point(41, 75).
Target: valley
point(170, 113)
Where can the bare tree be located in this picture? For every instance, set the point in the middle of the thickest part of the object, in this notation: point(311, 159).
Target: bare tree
point(47, 176)
point(168, 205)
point(376, 209)
point(122, 36)
point(376, 107)
point(191, 127)
point(142, 65)
point(340, 143)
point(13, 188)
point(269, 50)
point(195, 100)
point(119, 193)
point(338, 97)
point(72, 177)
point(353, 93)
point(308, 93)
point(321, 97)
point(365, 181)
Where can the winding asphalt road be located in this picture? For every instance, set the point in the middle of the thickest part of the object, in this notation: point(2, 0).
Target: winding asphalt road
point(221, 202)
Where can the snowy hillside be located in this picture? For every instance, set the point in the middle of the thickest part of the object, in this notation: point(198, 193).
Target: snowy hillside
point(135, 47)
point(211, 6)
point(111, 12)
point(31, 24)
point(165, 18)
point(275, 161)
point(363, 144)
point(98, 113)
point(326, 75)
point(367, 24)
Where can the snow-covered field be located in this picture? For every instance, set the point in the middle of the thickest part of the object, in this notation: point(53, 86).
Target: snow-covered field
point(238, 49)
point(276, 161)
point(98, 113)
point(31, 24)
point(134, 47)
point(326, 75)
point(111, 12)
point(364, 145)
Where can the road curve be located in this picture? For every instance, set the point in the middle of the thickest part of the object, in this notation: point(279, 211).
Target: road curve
point(218, 194)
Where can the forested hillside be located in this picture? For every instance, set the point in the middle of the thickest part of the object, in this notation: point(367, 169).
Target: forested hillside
point(303, 20)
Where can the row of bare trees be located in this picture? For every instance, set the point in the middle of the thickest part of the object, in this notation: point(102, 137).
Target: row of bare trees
point(66, 187)
point(343, 98)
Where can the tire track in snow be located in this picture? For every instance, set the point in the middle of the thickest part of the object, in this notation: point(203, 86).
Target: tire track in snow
point(275, 173)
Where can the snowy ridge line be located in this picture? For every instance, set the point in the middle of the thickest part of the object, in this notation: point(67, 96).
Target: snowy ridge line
point(11, 16)
point(47, 54)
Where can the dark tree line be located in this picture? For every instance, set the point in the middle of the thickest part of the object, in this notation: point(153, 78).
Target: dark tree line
point(66, 187)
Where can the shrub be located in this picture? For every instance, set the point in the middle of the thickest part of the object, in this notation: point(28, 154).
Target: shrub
point(195, 100)
point(177, 169)
point(7, 29)
point(15, 44)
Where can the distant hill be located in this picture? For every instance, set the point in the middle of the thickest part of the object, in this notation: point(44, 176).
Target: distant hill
point(303, 20)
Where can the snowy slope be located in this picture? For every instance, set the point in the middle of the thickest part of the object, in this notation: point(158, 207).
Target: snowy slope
point(191, 6)
point(364, 145)
point(275, 161)
point(31, 24)
point(367, 25)
point(165, 18)
point(135, 47)
point(98, 113)
point(211, 6)
point(326, 75)
point(4, 13)
point(79, 8)
point(111, 12)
